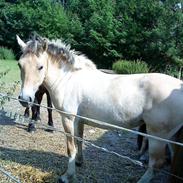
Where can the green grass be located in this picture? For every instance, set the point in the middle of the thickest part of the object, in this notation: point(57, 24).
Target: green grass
point(13, 73)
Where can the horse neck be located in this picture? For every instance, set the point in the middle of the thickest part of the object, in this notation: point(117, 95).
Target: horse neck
point(56, 73)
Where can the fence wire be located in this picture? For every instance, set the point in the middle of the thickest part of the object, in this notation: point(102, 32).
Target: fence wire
point(9, 175)
point(97, 122)
point(18, 117)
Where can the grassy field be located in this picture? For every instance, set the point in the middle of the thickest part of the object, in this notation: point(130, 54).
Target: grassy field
point(9, 76)
point(13, 71)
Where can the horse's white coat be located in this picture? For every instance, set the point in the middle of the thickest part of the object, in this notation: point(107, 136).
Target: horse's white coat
point(123, 100)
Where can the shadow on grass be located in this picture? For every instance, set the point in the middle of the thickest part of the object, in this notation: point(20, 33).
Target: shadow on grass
point(50, 164)
point(39, 159)
point(98, 167)
point(5, 120)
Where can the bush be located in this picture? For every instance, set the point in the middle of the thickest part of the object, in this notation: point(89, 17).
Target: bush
point(130, 67)
point(6, 54)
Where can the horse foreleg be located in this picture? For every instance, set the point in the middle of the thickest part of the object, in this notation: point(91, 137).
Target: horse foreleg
point(156, 159)
point(38, 96)
point(26, 113)
point(68, 124)
point(79, 128)
point(34, 108)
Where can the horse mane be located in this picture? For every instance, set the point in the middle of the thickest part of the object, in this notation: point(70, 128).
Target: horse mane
point(59, 51)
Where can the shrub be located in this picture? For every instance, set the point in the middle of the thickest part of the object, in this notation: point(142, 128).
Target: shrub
point(6, 54)
point(130, 67)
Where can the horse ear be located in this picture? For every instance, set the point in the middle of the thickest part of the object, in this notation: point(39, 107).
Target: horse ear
point(41, 40)
point(20, 42)
point(45, 44)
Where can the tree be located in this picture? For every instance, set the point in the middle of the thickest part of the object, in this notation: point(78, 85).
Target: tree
point(105, 30)
point(98, 22)
point(43, 16)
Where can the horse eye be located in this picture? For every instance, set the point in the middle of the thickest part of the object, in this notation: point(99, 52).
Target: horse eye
point(41, 67)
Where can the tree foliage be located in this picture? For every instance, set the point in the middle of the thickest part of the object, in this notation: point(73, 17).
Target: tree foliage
point(105, 30)
point(26, 16)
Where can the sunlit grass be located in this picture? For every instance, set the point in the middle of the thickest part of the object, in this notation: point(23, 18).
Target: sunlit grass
point(13, 73)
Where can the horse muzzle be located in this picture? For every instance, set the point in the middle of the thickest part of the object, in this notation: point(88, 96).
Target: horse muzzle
point(25, 101)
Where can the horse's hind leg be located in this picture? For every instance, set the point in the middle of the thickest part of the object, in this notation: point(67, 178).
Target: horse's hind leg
point(36, 110)
point(39, 96)
point(156, 159)
point(31, 126)
point(142, 129)
point(142, 143)
point(26, 113)
point(79, 128)
point(49, 104)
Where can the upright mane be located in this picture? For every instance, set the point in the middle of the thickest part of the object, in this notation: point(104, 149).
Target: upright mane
point(59, 51)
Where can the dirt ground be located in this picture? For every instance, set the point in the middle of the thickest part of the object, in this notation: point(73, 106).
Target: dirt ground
point(41, 156)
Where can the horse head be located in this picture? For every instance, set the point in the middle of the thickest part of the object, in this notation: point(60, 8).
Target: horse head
point(33, 65)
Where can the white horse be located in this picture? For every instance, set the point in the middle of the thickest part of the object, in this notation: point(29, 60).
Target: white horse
point(76, 86)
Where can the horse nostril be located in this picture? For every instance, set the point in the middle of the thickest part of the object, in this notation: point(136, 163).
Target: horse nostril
point(30, 99)
point(19, 97)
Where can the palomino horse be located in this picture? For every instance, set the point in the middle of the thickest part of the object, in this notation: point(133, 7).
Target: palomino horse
point(77, 87)
point(36, 109)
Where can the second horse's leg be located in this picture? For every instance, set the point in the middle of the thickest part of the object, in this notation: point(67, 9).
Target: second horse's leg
point(79, 128)
point(49, 104)
point(36, 110)
point(26, 113)
point(156, 158)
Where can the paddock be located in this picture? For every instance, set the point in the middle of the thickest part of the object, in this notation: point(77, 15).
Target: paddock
point(39, 157)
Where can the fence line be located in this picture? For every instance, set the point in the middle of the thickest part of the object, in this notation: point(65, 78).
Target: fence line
point(17, 116)
point(43, 126)
point(8, 174)
point(100, 123)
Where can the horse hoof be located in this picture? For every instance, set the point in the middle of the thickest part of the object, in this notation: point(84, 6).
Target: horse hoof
point(79, 164)
point(62, 181)
point(38, 118)
point(79, 161)
point(144, 158)
point(31, 128)
point(51, 126)
point(50, 131)
point(26, 115)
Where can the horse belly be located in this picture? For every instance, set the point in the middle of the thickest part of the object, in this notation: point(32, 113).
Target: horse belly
point(113, 115)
